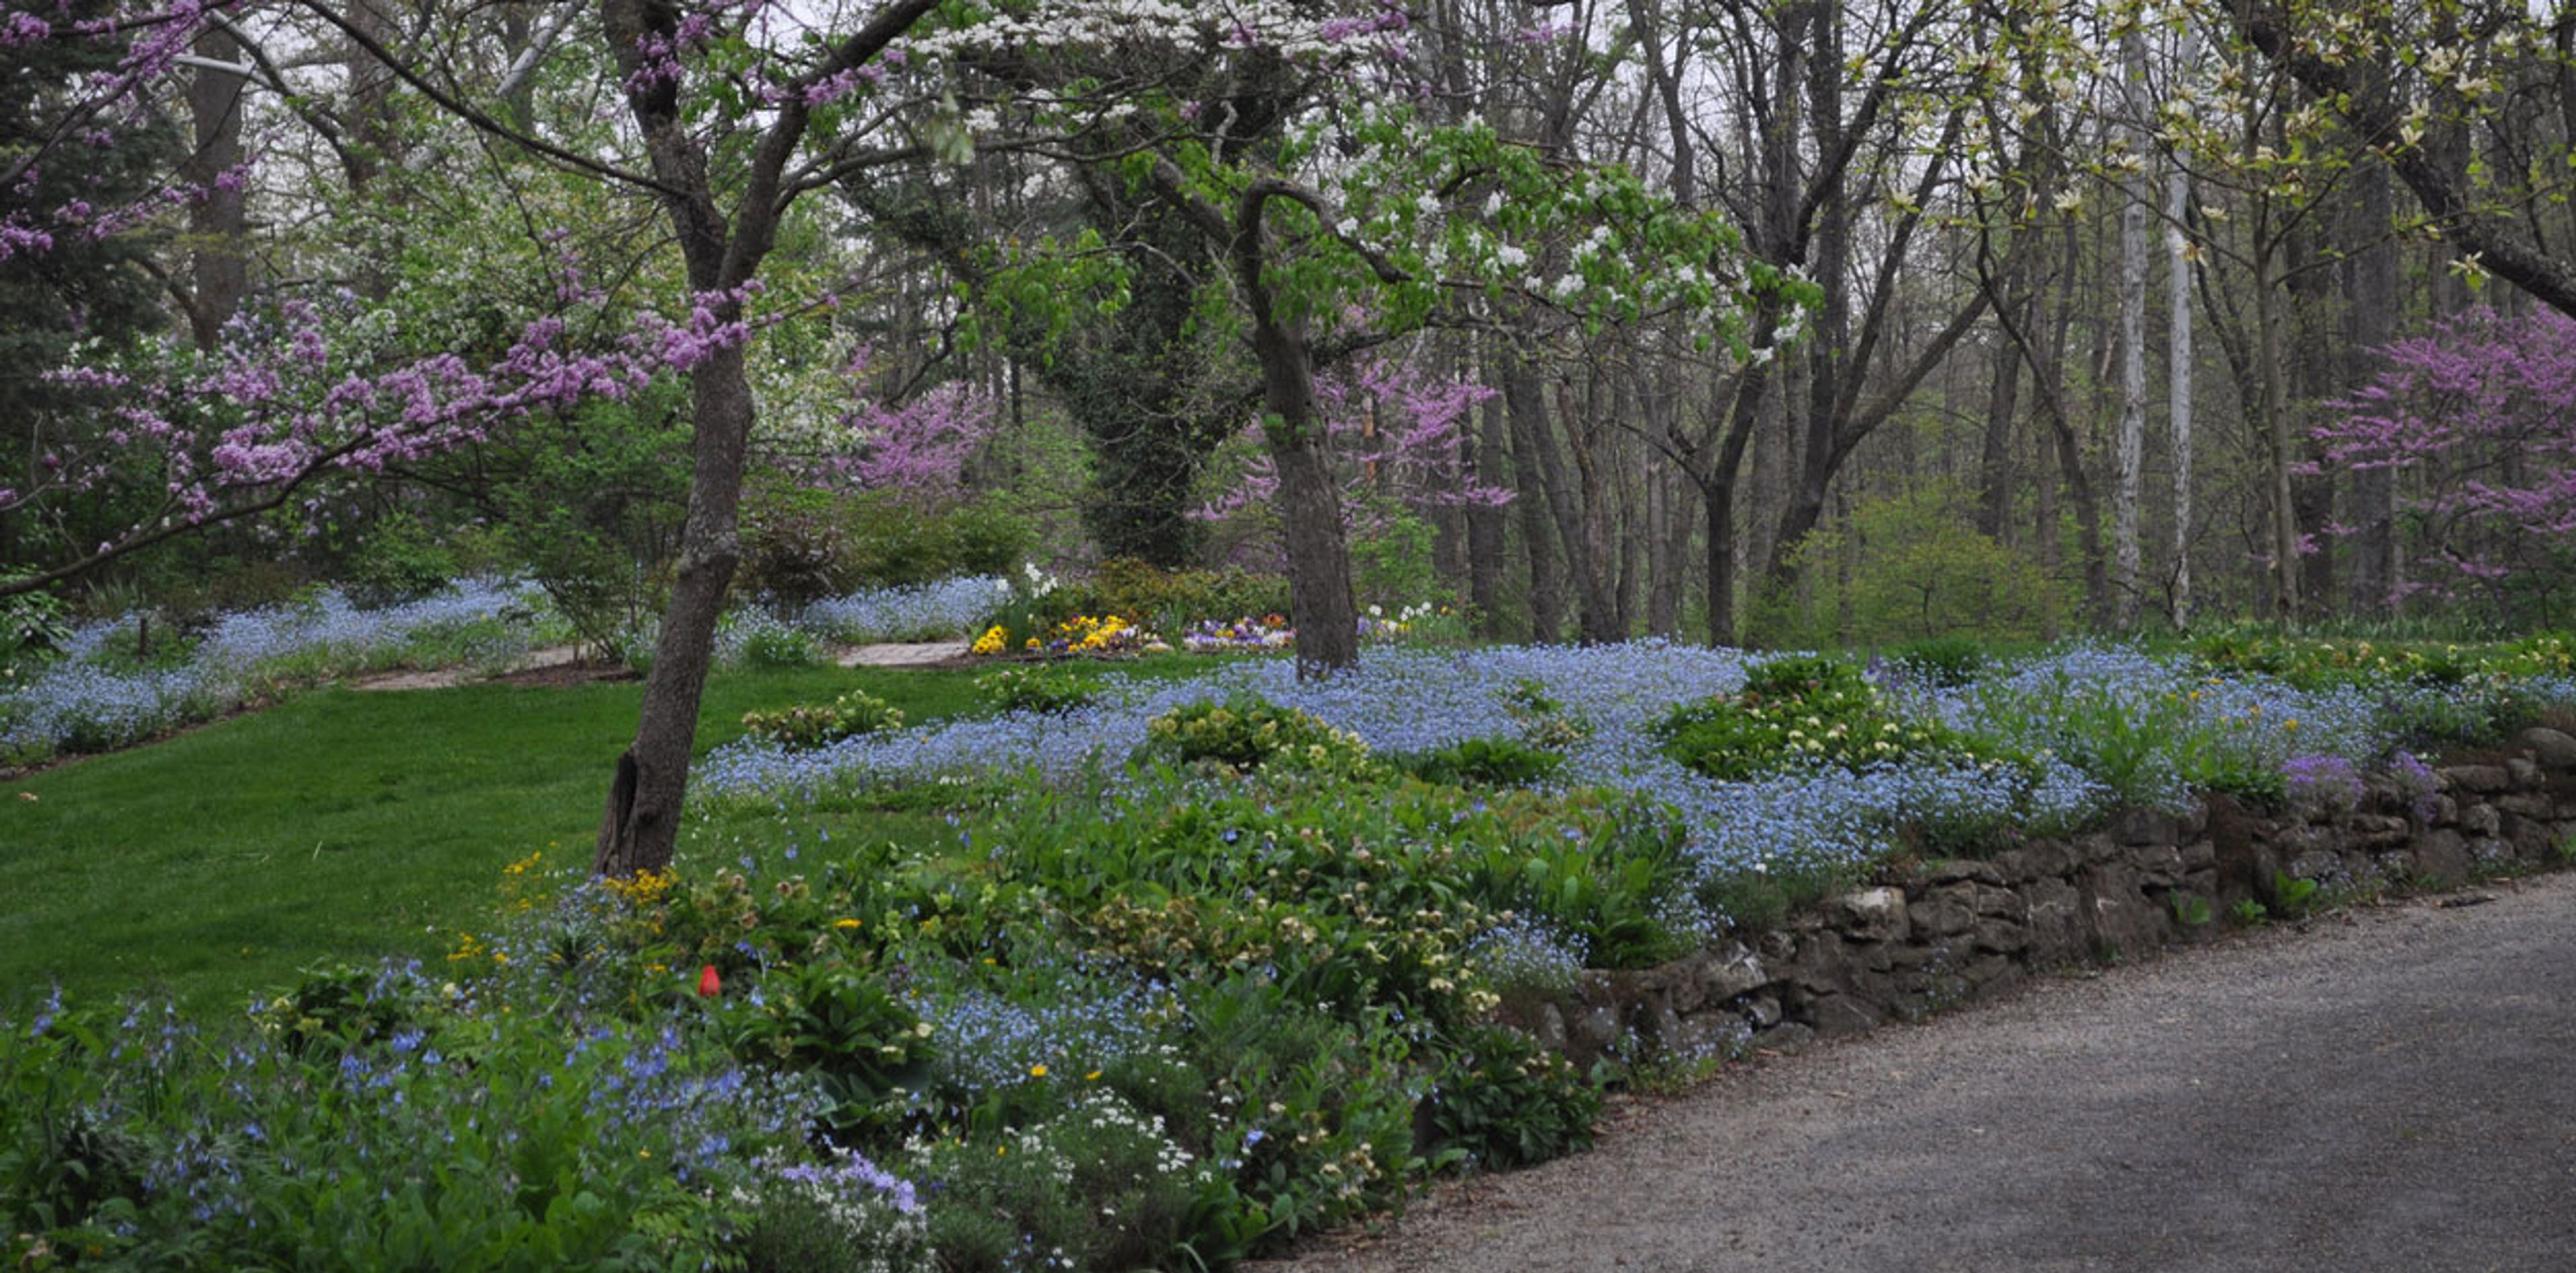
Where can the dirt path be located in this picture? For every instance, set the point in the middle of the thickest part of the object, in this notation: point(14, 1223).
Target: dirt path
point(560, 658)
point(902, 654)
point(545, 659)
point(2395, 1090)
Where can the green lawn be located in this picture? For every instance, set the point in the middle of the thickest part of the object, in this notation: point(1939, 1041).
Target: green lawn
point(337, 825)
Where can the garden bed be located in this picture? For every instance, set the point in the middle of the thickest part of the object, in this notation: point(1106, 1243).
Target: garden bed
point(1172, 972)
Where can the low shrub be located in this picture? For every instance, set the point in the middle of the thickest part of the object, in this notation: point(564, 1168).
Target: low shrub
point(1245, 733)
point(838, 1022)
point(1492, 762)
point(2314, 663)
point(1032, 689)
point(809, 725)
point(1793, 712)
point(1943, 662)
point(796, 545)
point(758, 639)
point(1502, 1101)
point(892, 541)
point(1171, 600)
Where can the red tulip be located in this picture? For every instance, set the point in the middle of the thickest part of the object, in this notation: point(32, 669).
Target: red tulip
point(709, 984)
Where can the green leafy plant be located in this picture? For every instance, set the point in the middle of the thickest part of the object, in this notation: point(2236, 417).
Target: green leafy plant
point(1544, 720)
point(795, 544)
point(776, 645)
point(1170, 600)
point(1910, 567)
point(1493, 762)
point(2191, 910)
point(1096, 1185)
point(806, 725)
point(1246, 733)
point(2291, 895)
point(839, 1023)
point(398, 560)
point(2247, 912)
point(891, 540)
point(1507, 1102)
point(1943, 661)
point(32, 626)
point(1033, 689)
point(1792, 712)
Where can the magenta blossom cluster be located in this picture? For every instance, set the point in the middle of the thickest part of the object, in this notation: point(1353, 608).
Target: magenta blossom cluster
point(295, 394)
point(1394, 431)
point(2449, 410)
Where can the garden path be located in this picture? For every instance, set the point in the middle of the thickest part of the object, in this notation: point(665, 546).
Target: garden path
point(554, 657)
point(902, 654)
point(2392, 1091)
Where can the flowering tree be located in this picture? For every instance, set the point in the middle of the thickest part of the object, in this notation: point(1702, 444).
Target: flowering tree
point(886, 438)
point(732, 112)
point(2479, 422)
point(1394, 434)
point(1296, 151)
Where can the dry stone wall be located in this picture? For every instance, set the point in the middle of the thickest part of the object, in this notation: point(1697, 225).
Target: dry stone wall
point(1946, 933)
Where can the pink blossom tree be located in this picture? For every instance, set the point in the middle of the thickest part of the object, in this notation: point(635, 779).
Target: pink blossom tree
point(888, 435)
point(1394, 431)
point(2478, 422)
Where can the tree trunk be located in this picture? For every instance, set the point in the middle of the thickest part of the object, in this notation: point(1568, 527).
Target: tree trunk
point(219, 222)
point(1310, 513)
point(1486, 527)
point(2178, 361)
point(2372, 287)
point(1668, 526)
point(641, 827)
point(2275, 426)
point(2316, 364)
point(2003, 401)
point(2048, 375)
point(1534, 440)
point(2131, 445)
point(1718, 500)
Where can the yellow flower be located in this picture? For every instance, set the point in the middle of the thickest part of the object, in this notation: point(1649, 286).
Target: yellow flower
point(845, 925)
point(1037, 1071)
point(1092, 1077)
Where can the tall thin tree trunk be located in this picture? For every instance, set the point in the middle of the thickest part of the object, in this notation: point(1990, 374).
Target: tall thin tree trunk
point(2178, 359)
point(2275, 425)
point(2130, 448)
point(219, 220)
point(2373, 311)
point(1534, 437)
point(2050, 373)
point(1486, 529)
point(1994, 459)
point(640, 827)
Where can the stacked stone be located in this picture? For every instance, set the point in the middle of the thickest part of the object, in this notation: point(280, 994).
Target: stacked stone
point(1947, 933)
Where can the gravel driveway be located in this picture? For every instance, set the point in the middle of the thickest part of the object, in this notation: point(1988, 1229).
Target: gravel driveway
point(2394, 1089)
